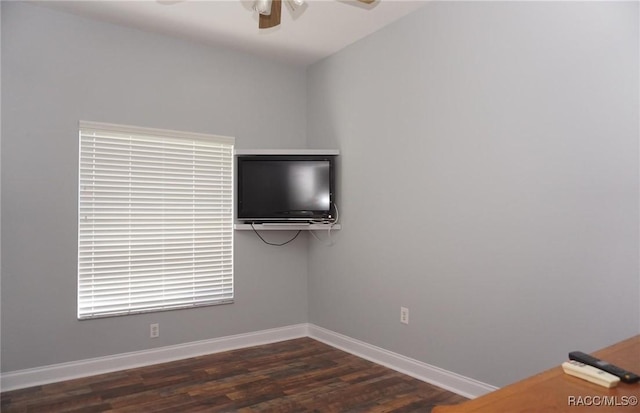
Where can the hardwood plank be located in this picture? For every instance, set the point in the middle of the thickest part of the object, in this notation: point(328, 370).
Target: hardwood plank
point(301, 375)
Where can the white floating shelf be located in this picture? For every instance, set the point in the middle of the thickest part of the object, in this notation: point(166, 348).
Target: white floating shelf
point(286, 227)
point(287, 152)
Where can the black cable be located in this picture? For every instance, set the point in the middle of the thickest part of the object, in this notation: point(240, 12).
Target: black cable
point(270, 243)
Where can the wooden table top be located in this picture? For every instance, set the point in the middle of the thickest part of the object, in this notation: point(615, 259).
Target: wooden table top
point(555, 391)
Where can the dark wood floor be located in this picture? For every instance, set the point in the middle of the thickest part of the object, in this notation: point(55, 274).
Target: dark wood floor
point(301, 375)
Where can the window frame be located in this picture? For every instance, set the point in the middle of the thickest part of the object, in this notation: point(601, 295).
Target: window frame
point(150, 265)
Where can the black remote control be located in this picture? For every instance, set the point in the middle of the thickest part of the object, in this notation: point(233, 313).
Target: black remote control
point(625, 376)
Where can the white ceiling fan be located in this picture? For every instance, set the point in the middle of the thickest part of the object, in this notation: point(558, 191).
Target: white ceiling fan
point(271, 10)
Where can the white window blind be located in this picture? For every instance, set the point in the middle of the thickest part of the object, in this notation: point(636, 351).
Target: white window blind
point(155, 220)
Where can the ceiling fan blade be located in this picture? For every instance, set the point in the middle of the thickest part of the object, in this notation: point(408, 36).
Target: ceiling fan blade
point(273, 19)
point(366, 1)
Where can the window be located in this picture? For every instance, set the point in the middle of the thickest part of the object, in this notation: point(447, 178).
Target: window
point(155, 220)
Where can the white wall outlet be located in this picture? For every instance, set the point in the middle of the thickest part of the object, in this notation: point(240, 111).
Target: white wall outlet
point(404, 315)
point(154, 330)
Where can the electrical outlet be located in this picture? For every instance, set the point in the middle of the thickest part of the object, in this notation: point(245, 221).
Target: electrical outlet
point(154, 330)
point(404, 315)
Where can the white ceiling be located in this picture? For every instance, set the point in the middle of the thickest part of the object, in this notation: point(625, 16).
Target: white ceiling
point(322, 28)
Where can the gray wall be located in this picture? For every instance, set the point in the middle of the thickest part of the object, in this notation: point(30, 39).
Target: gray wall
point(0, 182)
point(489, 183)
point(58, 69)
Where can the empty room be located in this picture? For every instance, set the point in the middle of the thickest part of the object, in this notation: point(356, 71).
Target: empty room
point(320, 206)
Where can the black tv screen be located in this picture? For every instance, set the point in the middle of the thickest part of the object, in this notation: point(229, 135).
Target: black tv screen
point(277, 188)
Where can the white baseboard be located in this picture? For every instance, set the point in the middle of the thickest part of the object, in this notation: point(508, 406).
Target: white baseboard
point(83, 368)
point(444, 379)
point(456, 383)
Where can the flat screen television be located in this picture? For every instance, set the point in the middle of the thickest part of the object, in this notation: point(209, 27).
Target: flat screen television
point(285, 188)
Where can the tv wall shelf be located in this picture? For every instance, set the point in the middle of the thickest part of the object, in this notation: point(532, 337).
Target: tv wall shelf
point(287, 152)
point(286, 227)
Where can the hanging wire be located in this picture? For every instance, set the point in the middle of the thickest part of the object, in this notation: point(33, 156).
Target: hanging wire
point(271, 243)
